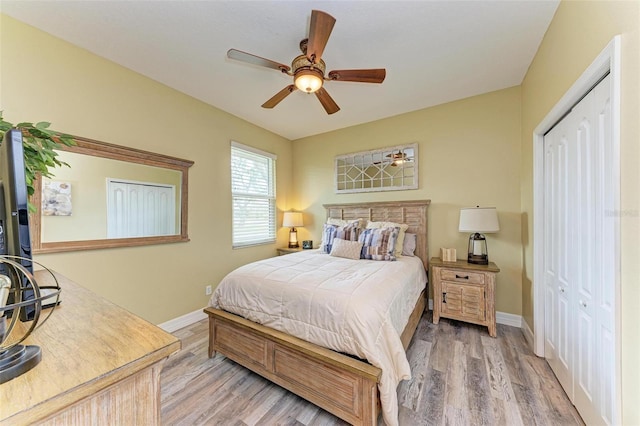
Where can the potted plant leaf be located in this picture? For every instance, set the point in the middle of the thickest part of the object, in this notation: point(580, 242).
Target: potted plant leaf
point(40, 144)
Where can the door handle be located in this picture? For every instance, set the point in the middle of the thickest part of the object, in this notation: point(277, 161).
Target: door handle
point(583, 304)
point(444, 297)
point(561, 289)
point(463, 277)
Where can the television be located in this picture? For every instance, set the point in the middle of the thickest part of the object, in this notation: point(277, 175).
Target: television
point(15, 237)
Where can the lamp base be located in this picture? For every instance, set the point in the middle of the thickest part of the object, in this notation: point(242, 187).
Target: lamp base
point(477, 253)
point(478, 259)
point(18, 360)
point(293, 238)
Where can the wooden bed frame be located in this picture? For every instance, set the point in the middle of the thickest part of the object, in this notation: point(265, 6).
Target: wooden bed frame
point(343, 385)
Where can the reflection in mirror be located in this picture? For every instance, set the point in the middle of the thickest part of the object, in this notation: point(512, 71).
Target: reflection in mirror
point(387, 169)
point(111, 196)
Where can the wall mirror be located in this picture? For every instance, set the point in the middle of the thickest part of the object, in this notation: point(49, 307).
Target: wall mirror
point(111, 196)
point(388, 169)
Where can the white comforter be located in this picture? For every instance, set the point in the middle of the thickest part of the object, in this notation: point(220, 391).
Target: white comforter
point(355, 306)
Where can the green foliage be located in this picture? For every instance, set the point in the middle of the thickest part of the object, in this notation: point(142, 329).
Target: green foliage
point(40, 144)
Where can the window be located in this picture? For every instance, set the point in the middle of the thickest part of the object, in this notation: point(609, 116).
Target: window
point(253, 190)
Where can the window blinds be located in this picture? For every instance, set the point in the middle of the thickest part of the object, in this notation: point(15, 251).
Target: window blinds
point(254, 196)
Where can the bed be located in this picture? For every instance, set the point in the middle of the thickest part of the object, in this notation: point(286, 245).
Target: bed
point(342, 384)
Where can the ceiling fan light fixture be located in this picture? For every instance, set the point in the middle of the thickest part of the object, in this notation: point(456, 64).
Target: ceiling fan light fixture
point(308, 80)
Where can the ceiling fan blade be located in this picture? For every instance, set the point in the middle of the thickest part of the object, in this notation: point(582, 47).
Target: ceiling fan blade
point(319, 32)
point(275, 100)
point(327, 101)
point(376, 75)
point(239, 55)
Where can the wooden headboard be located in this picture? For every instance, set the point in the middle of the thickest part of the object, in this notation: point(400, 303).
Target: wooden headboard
point(413, 213)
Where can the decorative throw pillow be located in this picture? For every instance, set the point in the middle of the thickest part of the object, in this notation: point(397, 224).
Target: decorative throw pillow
point(330, 232)
point(403, 228)
point(347, 249)
point(409, 244)
point(339, 222)
point(379, 243)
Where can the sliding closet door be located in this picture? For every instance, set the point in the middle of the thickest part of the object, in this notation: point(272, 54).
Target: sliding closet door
point(579, 255)
point(136, 209)
point(558, 252)
point(596, 284)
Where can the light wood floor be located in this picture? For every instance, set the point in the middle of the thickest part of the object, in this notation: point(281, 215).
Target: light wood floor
point(461, 376)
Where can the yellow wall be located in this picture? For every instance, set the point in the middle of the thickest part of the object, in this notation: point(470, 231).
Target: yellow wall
point(46, 79)
point(469, 154)
point(578, 33)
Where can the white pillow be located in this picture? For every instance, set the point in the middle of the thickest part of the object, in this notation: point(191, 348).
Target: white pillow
point(409, 245)
point(345, 248)
point(403, 228)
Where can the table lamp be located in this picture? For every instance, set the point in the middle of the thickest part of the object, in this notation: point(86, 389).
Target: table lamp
point(478, 220)
point(292, 219)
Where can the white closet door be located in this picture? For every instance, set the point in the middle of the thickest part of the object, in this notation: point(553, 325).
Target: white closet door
point(159, 210)
point(557, 254)
point(125, 210)
point(595, 289)
point(579, 255)
point(137, 209)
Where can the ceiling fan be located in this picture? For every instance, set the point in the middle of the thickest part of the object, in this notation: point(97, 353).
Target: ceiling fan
point(398, 158)
point(308, 69)
point(395, 158)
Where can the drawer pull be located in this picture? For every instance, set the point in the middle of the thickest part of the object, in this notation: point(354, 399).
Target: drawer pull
point(444, 297)
point(463, 277)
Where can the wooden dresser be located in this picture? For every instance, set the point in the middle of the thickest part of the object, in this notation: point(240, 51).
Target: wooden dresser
point(464, 292)
point(100, 365)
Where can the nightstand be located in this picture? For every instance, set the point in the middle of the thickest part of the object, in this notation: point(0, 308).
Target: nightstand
point(465, 292)
point(286, 250)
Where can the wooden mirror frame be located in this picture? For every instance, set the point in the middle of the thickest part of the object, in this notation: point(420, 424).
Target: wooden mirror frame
point(115, 152)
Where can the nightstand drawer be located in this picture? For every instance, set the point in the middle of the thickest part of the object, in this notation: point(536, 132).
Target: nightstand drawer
point(461, 276)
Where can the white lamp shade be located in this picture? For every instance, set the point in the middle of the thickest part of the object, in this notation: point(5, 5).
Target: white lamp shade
point(479, 219)
point(292, 219)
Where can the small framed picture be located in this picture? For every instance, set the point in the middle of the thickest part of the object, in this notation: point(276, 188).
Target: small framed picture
point(307, 244)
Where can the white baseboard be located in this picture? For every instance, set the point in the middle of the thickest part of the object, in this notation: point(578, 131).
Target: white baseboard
point(528, 334)
point(183, 321)
point(509, 319)
point(501, 317)
point(195, 316)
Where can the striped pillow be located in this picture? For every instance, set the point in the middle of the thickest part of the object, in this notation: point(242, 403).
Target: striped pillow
point(379, 243)
point(329, 232)
point(400, 241)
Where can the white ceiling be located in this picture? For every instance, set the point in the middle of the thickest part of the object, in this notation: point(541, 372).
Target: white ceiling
point(434, 51)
